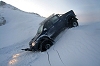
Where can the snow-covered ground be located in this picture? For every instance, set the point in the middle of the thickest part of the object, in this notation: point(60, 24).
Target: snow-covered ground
point(78, 46)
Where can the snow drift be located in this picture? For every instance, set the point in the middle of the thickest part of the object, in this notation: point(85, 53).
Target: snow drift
point(78, 46)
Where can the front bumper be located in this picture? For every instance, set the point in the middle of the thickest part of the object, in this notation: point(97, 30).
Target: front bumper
point(33, 46)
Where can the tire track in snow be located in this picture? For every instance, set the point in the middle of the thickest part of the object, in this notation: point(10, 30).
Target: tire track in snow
point(59, 56)
point(48, 58)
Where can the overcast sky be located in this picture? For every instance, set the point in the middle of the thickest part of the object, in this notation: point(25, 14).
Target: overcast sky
point(86, 10)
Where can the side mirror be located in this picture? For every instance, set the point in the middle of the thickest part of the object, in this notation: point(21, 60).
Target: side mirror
point(45, 29)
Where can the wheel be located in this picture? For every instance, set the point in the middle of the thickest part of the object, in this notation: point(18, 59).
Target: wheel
point(46, 44)
point(74, 24)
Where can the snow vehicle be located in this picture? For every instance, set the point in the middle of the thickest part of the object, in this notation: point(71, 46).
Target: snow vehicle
point(50, 28)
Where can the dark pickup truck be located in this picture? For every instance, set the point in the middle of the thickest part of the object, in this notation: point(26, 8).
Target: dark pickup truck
point(50, 28)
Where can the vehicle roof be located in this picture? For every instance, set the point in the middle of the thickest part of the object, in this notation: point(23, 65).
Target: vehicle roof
point(44, 21)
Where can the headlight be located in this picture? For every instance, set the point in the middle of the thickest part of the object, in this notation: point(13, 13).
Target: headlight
point(33, 43)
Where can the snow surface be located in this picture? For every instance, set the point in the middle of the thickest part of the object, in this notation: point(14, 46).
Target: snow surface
point(78, 46)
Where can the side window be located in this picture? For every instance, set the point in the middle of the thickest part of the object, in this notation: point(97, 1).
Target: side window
point(51, 21)
point(54, 19)
point(48, 24)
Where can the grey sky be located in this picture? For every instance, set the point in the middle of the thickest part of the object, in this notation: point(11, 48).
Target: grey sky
point(86, 10)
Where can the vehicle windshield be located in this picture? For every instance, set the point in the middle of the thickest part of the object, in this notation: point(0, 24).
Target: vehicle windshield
point(40, 29)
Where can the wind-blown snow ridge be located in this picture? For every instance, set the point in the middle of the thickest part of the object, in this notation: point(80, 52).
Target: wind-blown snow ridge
point(5, 5)
point(79, 46)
